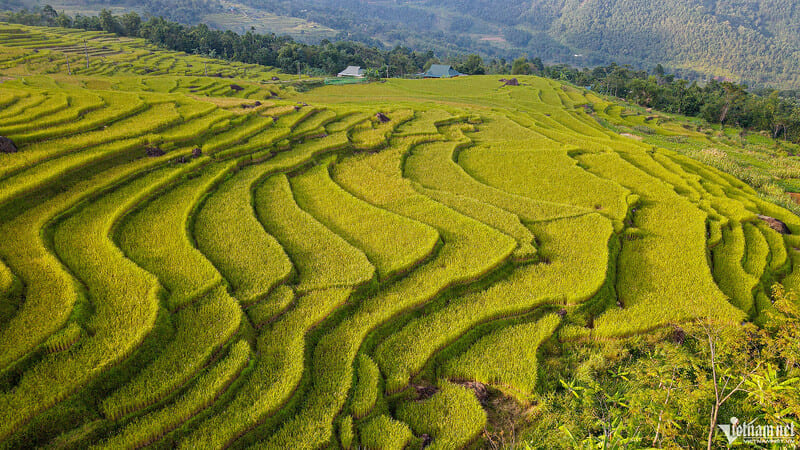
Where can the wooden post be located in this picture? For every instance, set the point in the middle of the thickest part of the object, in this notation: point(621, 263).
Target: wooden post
point(205, 68)
point(69, 70)
point(86, 49)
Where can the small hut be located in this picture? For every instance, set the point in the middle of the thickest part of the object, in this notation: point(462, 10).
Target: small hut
point(352, 72)
point(441, 71)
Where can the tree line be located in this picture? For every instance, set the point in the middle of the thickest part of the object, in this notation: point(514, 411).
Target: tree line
point(719, 102)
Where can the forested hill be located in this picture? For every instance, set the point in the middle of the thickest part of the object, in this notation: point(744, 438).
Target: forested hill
point(755, 41)
point(752, 41)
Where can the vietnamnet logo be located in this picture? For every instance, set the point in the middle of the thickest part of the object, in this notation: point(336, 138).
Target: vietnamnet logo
point(750, 433)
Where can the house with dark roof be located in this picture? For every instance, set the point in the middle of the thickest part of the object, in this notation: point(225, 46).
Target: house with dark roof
point(352, 71)
point(441, 71)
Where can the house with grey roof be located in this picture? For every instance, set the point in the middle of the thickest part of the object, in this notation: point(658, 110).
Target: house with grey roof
point(352, 71)
point(441, 71)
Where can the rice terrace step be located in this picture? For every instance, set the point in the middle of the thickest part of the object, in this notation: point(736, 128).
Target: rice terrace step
point(445, 263)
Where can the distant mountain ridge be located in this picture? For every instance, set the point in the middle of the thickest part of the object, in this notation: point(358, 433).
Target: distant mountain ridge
point(752, 41)
point(755, 41)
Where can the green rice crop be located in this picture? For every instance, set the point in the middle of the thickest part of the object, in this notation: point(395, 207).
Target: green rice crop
point(275, 375)
point(79, 104)
point(157, 238)
point(649, 164)
point(792, 280)
point(377, 179)
point(53, 103)
point(366, 390)
point(668, 264)
point(769, 209)
point(346, 436)
point(548, 175)
point(267, 309)
point(346, 121)
point(392, 243)
point(432, 166)
point(261, 141)
point(119, 105)
point(734, 281)
point(465, 255)
point(375, 134)
point(64, 338)
point(200, 329)
point(332, 366)
point(32, 100)
point(384, 433)
point(493, 216)
point(505, 358)
point(123, 289)
point(47, 172)
point(205, 390)
point(124, 296)
point(756, 250)
point(571, 246)
point(8, 98)
point(51, 292)
point(7, 282)
point(243, 129)
point(452, 416)
point(149, 121)
point(322, 258)
point(230, 236)
point(195, 127)
point(315, 124)
point(777, 248)
point(425, 122)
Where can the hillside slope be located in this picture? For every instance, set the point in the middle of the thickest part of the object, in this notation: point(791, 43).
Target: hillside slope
point(752, 41)
point(756, 41)
point(195, 255)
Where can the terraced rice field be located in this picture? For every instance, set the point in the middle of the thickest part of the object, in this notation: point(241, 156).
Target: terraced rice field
point(185, 263)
